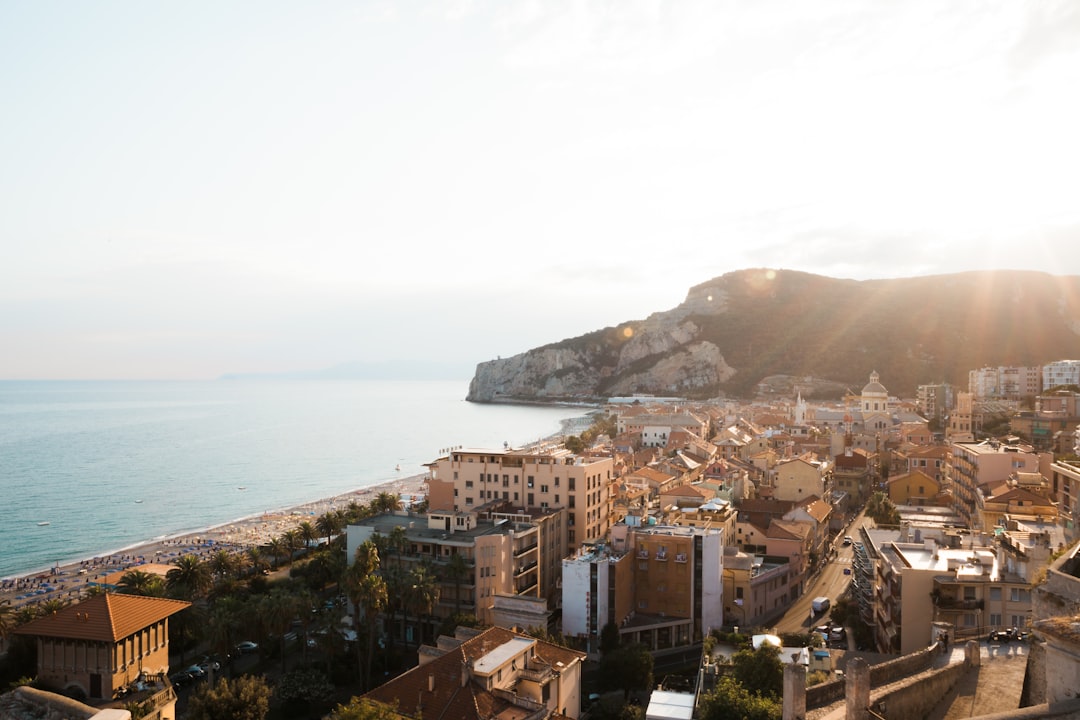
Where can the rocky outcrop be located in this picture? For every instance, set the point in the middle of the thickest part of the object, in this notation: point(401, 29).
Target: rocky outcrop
point(736, 329)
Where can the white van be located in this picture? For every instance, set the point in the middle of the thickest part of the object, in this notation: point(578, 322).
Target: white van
point(820, 604)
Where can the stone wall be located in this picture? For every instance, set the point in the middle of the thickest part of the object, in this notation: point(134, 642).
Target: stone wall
point(919, 695)
point(880, 674)
point(27, 702)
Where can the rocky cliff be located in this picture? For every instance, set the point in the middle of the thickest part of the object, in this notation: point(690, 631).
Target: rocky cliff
point(734, 330)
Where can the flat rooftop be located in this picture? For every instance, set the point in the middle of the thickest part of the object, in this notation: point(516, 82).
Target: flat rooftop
point(501, 655)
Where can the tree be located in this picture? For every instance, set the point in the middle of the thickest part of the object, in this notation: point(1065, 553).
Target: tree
point(139, 582)
point(366, 590)
point(190, 579)
point(308, 533)
point(760, 671)
point(363, 709)
point(457, 571)
point(244, 698)
point(223, 563)
point(223, 625)
point(7, 620)
point(386, 502)
point(277, 549)
point(423, 596)
point(329, 524)
point(609, 638)
point(627, 668)
point(881, 510)
point(277, 610)
point(729, 699)
point(292, 541)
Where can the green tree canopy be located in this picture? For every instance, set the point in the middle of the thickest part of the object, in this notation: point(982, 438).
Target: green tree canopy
point(245, 698)
point(361, 709)
point(729, 699)
point(626, 668)
point(760, 671)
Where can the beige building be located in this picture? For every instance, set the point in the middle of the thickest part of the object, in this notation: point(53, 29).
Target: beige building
point(972, 465)
point(546, 478)
point(481, 674)
point(913, 488)
point(506, 552)
point(109, 646)
point(800, 478)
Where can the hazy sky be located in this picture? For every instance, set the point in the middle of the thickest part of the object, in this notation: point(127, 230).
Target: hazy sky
point(190, 189)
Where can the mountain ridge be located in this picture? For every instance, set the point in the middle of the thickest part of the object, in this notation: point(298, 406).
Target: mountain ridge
point(734, 330)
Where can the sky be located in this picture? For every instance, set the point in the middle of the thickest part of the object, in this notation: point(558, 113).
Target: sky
point(194, 189)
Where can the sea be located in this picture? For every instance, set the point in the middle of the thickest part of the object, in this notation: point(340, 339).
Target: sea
point(88, 468)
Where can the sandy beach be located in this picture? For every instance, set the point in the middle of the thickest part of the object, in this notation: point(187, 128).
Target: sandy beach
point(71, 581)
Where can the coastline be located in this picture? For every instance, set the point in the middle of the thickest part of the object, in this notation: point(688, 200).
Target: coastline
point(70, 581)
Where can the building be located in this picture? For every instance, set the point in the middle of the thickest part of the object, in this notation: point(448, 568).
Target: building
point(108, 646)
point(1065, 485)
point(505, 552)
point(972, 465)
point(598, 585)
point(1060, 372)
point(961, 426)
point(535, 479)
point(855, 472)
point(678, 585)
point(1005, 382)
point(492, 673)
point(875, 406)
point(935, 401)
point(800, 478)
point(913, 488)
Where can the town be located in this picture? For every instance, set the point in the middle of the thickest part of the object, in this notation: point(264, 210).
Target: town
point(876, 549)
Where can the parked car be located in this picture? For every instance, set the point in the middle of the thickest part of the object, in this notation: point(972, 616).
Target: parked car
point(180, 678)
point(246, 647)
point(847, 540)
point(1007, 635)
point(196, 672)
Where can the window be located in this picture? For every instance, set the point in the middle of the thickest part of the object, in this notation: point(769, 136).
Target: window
point(468, 483)
point(1020, 595)
point(556, 481)
point(530, 501)
point(969, 593)
point(572, 498)
point(995, 595)
point(995, 620)
point(572, 483)
point(468, 501)
point(556, 499)
point(543, 488)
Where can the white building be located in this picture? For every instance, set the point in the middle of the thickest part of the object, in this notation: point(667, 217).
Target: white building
point(1060, 372)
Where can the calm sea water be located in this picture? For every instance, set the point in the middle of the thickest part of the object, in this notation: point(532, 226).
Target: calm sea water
point(111, 464)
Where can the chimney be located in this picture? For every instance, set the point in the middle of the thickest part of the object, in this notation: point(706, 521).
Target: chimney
point(431, 683)
point(464, 674)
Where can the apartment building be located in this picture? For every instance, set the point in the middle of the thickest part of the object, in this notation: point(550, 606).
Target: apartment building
point(598, 586)
point(543, 478)
point(677, 583)
point(854, 472)
point(929, 460)
point(934, 401)
point(800, 478)
point(656, 427)
point(913, 488)
point(506, 552)
point(756, 588)
point(1060, 372)
point(1065, 486)
point(974, 464)
point(1005, 382)
point(961, 426)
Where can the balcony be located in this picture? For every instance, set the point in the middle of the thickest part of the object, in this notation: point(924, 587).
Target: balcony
point(643, 554)
point(528, 549)
point(525, 568)
point(680, 557)
point(661, 555)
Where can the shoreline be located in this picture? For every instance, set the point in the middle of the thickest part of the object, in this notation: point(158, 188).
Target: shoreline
point(70, 580)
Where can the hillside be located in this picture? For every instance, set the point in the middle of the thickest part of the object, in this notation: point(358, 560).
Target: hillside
point(733, 331)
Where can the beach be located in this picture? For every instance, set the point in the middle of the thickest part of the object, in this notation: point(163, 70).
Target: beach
point(71, 581)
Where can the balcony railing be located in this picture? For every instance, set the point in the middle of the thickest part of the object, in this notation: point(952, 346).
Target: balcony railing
point(680, 557)
point(643, 554)
point(522, 551)
point(661, 555)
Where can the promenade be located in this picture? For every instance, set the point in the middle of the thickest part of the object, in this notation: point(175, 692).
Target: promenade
point(71, 581)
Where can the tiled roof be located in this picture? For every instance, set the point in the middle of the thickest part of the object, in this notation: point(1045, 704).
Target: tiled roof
point(105, 618)
point(437, 690)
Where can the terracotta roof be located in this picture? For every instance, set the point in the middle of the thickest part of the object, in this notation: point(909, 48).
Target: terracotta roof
point(451, 696)
point(105, 618)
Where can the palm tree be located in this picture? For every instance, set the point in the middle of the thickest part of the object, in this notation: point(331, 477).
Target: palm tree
point(190, 579)
point(457, 571)
point(328, 524)
point(399, 542)
point(223, 563)
point(139, 582)
point(223, 625)
point(293, 541)
point(278, 610)
point(387, 502)
point(52, 606)
point(278, 550)
point(256, 558)
point(308, 533)
point(367, 591)
point(7, 621)
point(423, 595)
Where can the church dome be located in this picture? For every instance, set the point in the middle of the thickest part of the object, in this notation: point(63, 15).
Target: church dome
point(874, 387)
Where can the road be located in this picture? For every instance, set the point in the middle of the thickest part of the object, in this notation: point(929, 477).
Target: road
point(830, 582)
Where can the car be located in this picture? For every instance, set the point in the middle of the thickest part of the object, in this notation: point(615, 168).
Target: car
point(179, 678)
point(847, 540)
point(196, 672)
point(246, 647)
